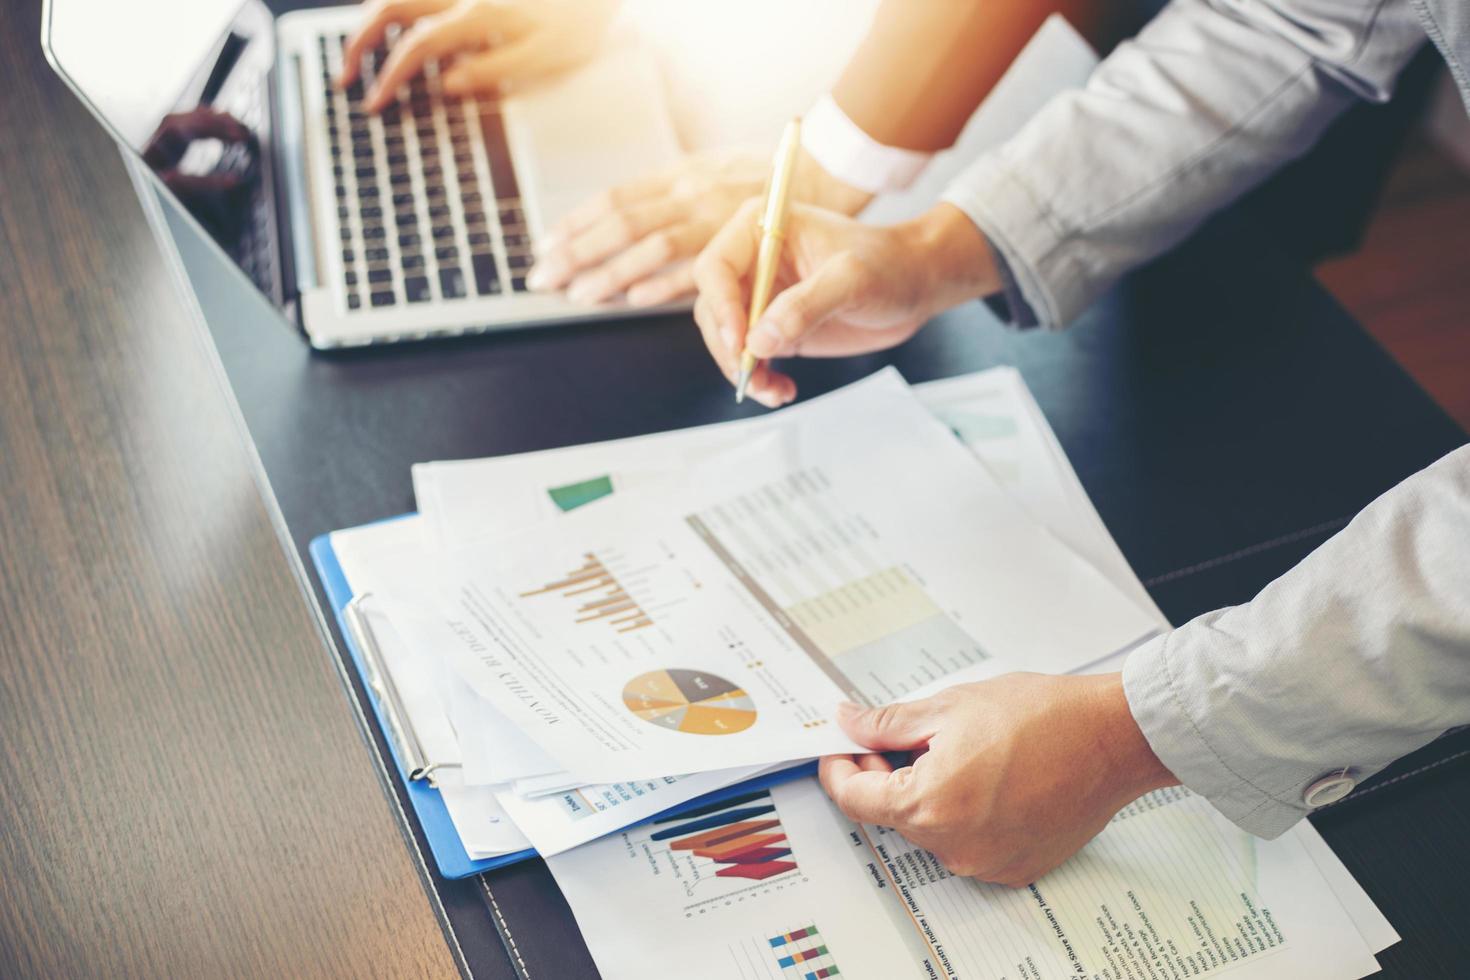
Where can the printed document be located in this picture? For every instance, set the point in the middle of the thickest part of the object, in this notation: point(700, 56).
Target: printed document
point(858, 551)
point(779, 884)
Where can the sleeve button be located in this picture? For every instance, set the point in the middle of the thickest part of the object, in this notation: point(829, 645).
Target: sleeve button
point(1329, 789)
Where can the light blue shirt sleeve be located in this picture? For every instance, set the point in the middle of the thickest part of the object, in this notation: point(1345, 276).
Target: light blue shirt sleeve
point(1210, 98)
point(1357, 656)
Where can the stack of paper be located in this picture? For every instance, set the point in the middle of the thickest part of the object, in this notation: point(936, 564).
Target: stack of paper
point(585, 637)
point(596, 634)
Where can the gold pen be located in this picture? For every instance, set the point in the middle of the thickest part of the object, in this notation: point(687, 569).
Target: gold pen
point(773, 233)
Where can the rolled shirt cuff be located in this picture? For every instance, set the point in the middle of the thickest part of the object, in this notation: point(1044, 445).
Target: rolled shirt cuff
point(1023, 236)
point(846, 152)
point(1199, 750)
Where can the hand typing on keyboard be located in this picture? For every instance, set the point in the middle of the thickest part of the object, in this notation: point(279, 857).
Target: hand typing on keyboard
point(637, 239)
point(482, 45)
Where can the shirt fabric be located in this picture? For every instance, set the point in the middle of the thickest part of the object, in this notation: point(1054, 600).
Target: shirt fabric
point(1361, 653)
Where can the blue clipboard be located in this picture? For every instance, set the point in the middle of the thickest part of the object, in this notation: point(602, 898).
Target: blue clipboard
point(428, 806)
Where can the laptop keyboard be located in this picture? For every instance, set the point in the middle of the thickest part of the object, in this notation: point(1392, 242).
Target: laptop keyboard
point(427, 202)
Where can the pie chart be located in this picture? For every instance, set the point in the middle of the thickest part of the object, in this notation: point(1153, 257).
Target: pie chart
point(689, 701)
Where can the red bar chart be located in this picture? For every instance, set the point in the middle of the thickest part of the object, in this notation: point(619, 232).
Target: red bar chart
point(741, 838)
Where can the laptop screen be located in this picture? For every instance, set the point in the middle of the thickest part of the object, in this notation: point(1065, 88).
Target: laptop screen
point(185, 84)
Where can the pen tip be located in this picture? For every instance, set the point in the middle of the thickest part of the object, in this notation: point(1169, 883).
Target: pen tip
point(740, 387)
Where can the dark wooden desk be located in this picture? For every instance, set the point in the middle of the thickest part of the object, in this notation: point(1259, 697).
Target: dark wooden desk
point(185, 790)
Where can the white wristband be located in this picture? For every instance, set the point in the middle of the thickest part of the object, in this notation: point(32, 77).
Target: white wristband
point(854, 157)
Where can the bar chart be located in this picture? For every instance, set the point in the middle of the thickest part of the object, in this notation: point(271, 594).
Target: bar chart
point(600, 595)
point(740, 838)
point(803, 955)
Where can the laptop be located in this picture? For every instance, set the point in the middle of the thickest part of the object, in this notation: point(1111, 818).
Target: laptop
point(419, 222)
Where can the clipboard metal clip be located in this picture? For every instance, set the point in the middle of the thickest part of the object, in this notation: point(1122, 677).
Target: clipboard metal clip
point(400, 726)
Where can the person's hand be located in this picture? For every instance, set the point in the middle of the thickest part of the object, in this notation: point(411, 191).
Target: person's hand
point(843, 287)
point(498, 42)
point(1013, 775)
point(637, 239)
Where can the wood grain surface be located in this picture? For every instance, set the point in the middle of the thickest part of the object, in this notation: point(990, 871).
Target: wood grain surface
point(185, 791)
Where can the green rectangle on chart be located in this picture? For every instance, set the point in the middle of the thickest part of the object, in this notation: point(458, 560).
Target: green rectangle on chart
point(575, 495)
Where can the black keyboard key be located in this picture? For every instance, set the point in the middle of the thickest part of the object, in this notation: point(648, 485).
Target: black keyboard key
point(409, 239)
point(416, 288)
point(400, 181)
point(384, 298)
point(402, 199)
point(479, 238)
point(470, 199)
point(451, 283)
point(443, 232)
point(353, 301)
point(371, 234)
point(373, 213)
point(366, 175)
point(347, 257)
point(487, 277)
point(411, 261)
point(518, 284)
point(376, 276)
point(375, 254)
point(439, 211)
point(446, 253)
point(518, 261)
point(346, 234)
point(397, 159)
point(369, 193)
point(350, 278)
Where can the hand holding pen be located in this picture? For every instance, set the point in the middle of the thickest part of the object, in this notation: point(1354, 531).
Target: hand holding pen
point(820, 284)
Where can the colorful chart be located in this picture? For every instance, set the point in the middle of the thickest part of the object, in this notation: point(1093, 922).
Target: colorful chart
point(690, 701)
point(803, 955)
point(742, 837)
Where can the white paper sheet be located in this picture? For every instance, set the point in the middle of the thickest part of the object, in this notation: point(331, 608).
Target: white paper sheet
point(553, 811)
point(560, 821)
point(992, 411)
point(484, 829)
point(857, 551)
point(783, 885)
